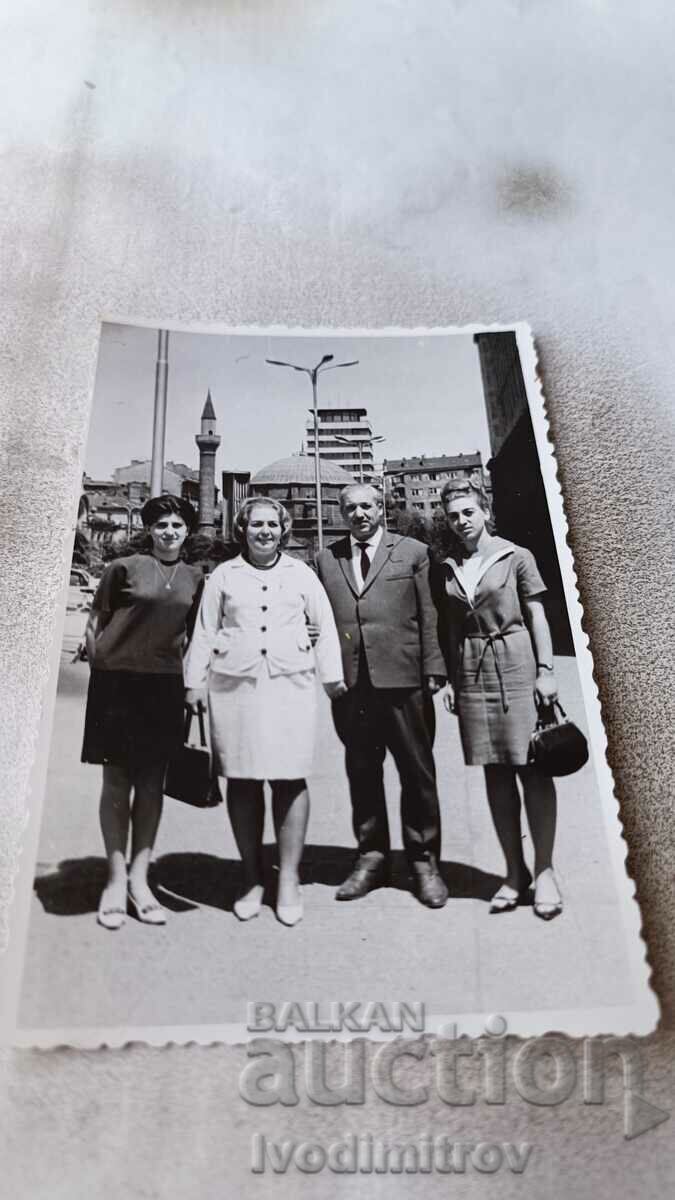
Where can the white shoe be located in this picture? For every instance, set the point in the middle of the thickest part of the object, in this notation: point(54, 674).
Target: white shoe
point(248, 906)
point(111, 918)
point(112, 912)
point(290, 914)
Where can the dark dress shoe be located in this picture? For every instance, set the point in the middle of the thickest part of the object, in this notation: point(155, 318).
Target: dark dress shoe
point(365, 877)
point(429, 886)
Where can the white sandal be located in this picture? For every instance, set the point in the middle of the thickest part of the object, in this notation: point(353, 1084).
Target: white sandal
point(148, 914)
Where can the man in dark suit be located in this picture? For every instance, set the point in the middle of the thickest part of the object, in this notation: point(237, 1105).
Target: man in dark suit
point(378, 585)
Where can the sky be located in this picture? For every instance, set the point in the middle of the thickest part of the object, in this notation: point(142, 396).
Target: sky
point(423, 395)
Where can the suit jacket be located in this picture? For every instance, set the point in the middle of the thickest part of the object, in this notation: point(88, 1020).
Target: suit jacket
point(393, 618)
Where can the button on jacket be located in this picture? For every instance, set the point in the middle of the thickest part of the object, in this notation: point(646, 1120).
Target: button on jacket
point(249, 618)
point(393, 617)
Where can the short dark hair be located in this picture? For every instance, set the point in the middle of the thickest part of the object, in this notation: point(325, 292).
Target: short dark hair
point(158, 506)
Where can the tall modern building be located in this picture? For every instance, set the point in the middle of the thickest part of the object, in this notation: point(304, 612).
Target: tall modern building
point(345, 439)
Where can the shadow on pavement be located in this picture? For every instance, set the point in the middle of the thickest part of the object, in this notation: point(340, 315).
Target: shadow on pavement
point(191, 880)
point(71, 888)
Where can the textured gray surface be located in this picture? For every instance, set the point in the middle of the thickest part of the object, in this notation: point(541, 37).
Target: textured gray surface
point(343, 164)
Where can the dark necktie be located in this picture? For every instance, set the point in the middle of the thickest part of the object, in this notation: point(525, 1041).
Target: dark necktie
point(365, 561)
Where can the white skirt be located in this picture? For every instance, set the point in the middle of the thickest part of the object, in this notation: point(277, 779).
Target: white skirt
point(263, 727)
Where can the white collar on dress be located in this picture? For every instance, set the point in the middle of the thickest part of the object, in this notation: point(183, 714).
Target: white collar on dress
point(470, 588)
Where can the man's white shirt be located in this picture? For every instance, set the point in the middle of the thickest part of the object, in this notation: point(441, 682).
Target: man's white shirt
point(371, 546)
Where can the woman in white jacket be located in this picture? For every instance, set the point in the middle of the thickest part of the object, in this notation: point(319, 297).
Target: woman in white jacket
point(251, 658)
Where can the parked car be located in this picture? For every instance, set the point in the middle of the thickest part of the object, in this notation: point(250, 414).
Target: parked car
point(81, 590)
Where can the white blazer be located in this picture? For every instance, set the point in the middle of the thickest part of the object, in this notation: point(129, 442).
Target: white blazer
point(248, 618)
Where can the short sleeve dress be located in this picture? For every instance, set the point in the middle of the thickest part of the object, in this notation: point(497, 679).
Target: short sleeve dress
point(135, 702)
point(490, 655)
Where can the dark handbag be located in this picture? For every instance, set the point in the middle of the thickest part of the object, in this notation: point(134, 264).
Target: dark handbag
point(556, 747)
point(189, 776)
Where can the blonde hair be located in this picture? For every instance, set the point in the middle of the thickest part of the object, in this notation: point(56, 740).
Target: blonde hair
point(242, 518)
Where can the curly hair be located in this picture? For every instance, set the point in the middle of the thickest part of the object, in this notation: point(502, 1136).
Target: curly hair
point(242, 518)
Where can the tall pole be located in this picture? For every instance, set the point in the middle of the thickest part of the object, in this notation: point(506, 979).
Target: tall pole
point(317, 460)
point(361, 442)
point(313, 373)
point(159, 418)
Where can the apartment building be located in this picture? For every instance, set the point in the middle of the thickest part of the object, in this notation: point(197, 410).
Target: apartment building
point(416, 484)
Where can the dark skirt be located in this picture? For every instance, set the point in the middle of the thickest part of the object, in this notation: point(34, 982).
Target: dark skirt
point(133, 719)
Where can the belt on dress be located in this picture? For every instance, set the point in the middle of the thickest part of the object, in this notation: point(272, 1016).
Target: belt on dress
point(490, 639)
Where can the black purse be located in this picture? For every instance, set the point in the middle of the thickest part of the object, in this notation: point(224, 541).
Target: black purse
point(189, 776)
point(556, 747)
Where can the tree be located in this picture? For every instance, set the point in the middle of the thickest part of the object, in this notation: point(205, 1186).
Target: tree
point(434, 532)
point(411, 523)
point(442, 540)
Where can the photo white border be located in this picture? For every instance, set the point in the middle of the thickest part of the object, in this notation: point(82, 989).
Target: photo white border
point(639, 1018)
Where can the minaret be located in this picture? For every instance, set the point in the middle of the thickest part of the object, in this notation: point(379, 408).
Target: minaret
point(208, 442)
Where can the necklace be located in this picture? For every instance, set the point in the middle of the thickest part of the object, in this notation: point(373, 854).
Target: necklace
point(264, 566)
point(167, 581)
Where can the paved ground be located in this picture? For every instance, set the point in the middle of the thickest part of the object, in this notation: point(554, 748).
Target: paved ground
point(204, 965)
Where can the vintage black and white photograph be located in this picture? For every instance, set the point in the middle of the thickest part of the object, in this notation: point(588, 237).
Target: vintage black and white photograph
point(325, 726)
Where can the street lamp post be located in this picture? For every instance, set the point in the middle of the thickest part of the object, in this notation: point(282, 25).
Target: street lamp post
point(313, 373)
point(360, 442)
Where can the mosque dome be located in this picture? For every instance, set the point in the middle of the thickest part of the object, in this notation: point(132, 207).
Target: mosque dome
point(299, 469)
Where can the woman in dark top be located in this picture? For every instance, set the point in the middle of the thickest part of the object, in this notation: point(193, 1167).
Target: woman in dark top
point(143, 610)
point(500, 666)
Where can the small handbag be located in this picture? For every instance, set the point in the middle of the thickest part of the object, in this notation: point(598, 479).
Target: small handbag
point(557, 747)
point(189, 776)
